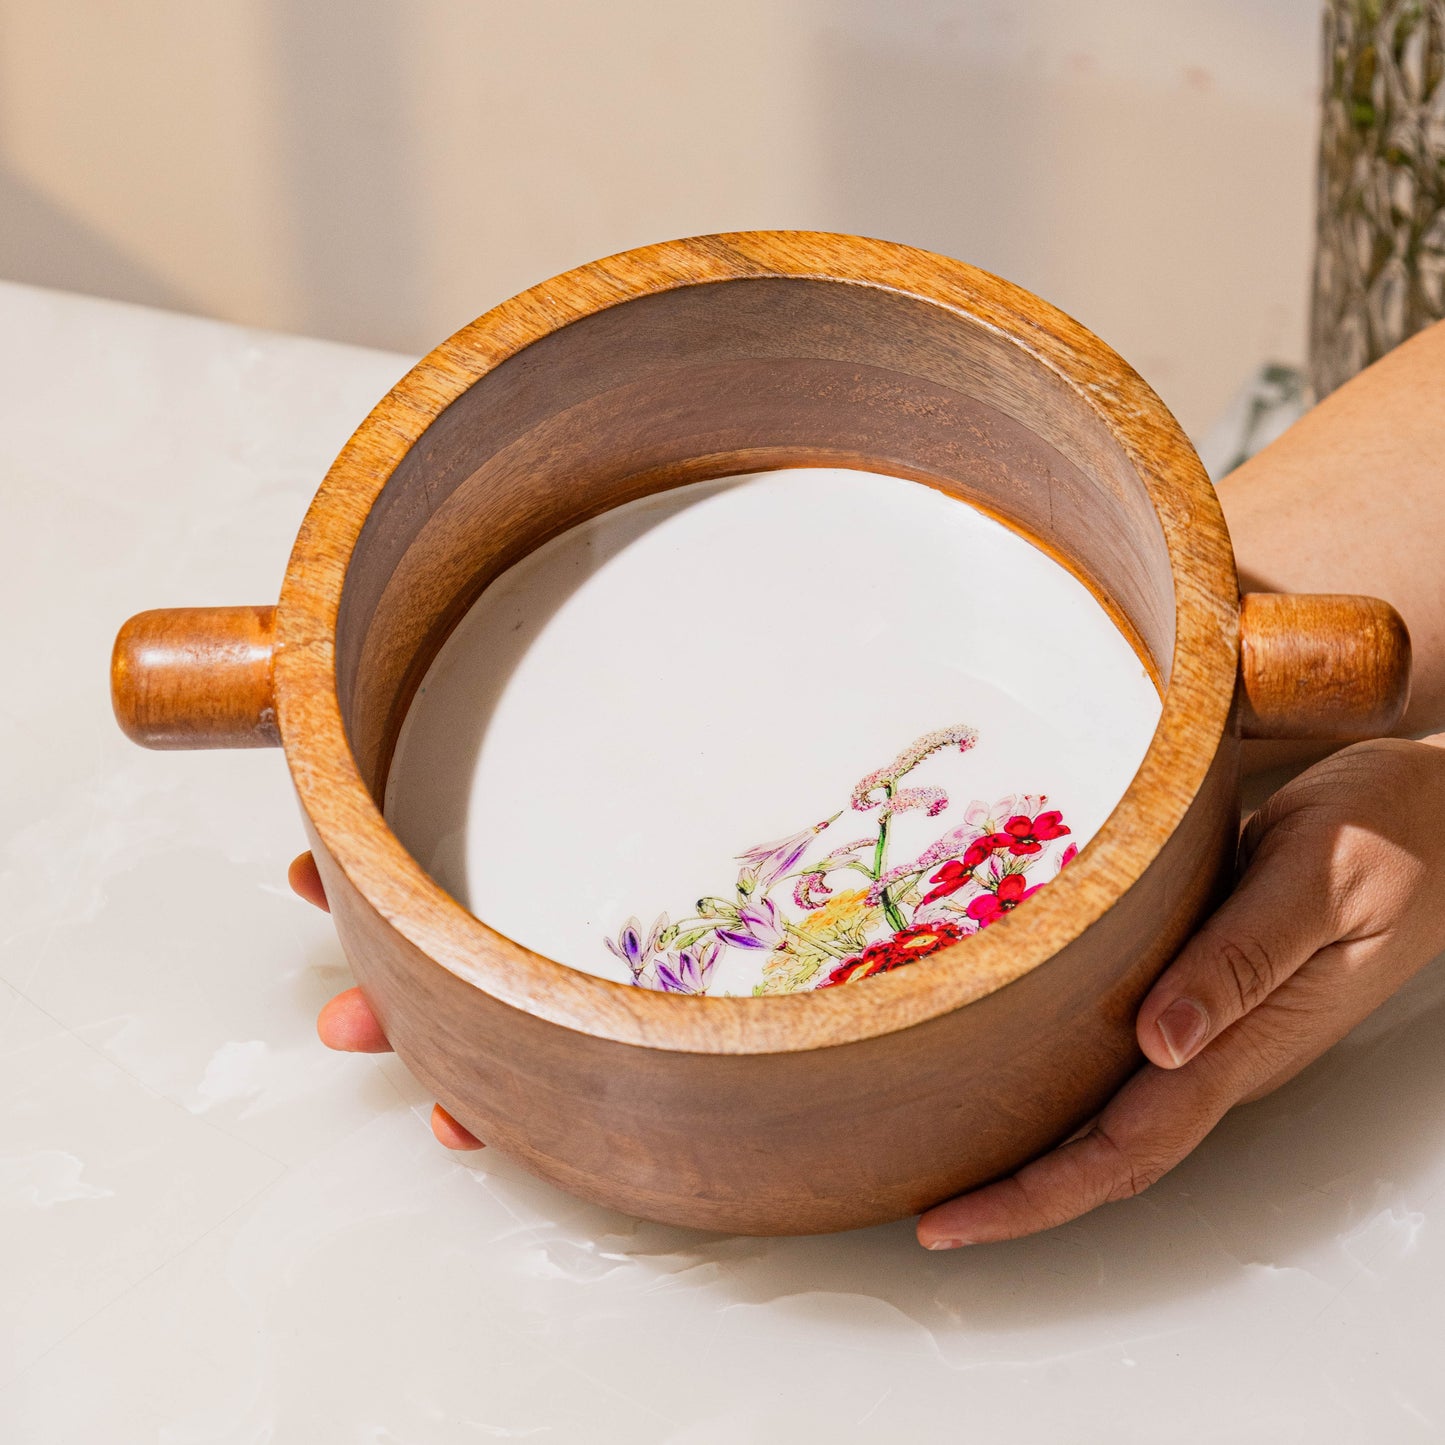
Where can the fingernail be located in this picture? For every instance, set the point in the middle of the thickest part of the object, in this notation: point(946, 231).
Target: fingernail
point(948, 1244)
point(1182, 1026)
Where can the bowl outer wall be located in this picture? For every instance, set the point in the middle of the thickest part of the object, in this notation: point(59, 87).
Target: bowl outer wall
point(420, 955)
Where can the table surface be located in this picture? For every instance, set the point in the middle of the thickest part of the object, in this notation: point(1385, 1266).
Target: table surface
point(213, 1230)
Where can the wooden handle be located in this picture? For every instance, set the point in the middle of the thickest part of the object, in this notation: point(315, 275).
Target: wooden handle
point(1321, 666)
point(196, 677)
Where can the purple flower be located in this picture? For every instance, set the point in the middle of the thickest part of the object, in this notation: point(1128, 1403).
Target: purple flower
point(765, 864)
point(758, 926)
point(689, 970)
point(632, 949)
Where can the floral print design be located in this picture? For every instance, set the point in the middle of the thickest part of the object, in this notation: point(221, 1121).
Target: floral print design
point(967, 879)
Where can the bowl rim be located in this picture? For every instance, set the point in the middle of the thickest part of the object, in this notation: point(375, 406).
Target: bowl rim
point(1196, 704)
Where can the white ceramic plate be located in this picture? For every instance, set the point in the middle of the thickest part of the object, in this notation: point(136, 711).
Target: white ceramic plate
point(642, 743)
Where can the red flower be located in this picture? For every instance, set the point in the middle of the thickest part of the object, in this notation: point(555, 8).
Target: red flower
point(950, 878)
point(990, 907)
point(1028, 835)
point(957, 871)
point(906, 946)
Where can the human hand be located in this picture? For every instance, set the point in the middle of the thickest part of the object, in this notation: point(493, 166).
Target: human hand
point(1342, 900)
point(347, 1022)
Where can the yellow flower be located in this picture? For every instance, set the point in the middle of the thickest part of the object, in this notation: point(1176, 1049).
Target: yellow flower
point(820, 938)
point(846, 918)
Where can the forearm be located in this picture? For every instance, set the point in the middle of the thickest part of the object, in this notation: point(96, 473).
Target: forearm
point(1352, 499)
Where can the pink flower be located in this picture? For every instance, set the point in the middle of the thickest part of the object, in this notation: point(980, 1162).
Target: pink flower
point(840, 856)
point(811, 888)
point(907, 760)
point(810, 891)
point(954, 842)
point(990, 907)
point(907, 800)
point(944, 909)
point(985, 816)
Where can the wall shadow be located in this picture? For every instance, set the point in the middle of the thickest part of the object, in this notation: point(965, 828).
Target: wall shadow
point(43, 244)
point(425, 799)
point(348, 170)
point(1164, 208)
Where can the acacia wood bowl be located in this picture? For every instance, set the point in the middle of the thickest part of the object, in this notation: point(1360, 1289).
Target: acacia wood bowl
point(697, 359)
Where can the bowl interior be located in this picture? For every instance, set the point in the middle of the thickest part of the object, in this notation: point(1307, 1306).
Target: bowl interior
point(718, 355)
point(666, 715)
point(713, 379)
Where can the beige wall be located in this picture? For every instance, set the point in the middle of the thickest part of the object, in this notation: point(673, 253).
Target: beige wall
point(382, 170)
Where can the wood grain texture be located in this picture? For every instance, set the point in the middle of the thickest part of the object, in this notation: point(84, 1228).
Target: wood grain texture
point(196, 677)
point(761, 1141)
point(690, 360)
point(1321, 666)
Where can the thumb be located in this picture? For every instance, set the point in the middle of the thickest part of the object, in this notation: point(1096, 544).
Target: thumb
point(1277, 918)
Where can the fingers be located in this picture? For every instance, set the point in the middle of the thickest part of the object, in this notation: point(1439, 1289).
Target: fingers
point(1278, 917)
point(1325, 924)
point(1160, 1115)
point(347, 1023)
point(305, 881)
point(450, 1133)
point(1149, 1126)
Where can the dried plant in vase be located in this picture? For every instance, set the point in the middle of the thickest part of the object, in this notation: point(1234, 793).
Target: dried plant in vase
point(1380, 249)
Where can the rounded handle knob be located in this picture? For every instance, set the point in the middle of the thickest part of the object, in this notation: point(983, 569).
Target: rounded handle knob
point(1321, 666)
point(196, 677)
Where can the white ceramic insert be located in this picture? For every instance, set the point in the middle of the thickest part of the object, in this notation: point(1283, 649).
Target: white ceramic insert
point(663, 747)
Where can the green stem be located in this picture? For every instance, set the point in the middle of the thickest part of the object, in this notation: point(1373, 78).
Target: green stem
point(895, 919)
point(863, 868)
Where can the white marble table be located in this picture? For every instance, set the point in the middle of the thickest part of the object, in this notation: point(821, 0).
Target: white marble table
point(212, 1230)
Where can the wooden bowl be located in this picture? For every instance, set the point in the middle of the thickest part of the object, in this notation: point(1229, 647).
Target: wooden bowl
point(700, 358)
